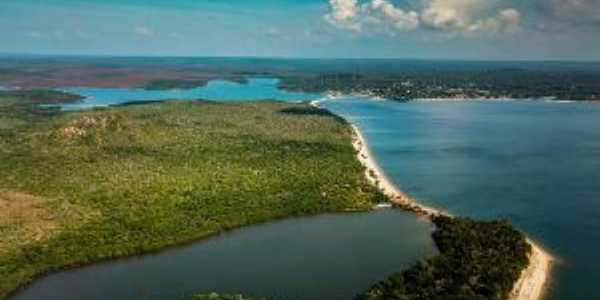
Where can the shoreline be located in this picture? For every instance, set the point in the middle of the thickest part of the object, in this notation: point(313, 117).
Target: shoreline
point(377, 177)
point(533, 280)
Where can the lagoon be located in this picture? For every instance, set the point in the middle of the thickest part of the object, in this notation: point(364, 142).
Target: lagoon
point(324, 257)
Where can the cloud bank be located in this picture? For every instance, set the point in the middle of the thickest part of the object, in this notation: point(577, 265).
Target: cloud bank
point(577, 12)
point(457, 17)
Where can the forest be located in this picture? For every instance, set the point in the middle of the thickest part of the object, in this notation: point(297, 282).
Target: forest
point(81, 187)
point(477, 260)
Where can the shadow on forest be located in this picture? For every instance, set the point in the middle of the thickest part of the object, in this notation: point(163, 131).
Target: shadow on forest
point(312, 111)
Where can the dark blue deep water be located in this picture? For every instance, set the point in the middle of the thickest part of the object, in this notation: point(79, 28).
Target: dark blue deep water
point(534, 163)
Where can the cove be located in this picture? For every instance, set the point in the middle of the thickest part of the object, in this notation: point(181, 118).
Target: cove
point(332, 256)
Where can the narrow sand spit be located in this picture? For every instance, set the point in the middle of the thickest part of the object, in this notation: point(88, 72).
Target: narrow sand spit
point(532, 282)
point(377, 177)
point(534, 278)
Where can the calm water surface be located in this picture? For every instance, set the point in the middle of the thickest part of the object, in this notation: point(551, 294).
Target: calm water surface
point(216, 90)
point(534, 163)
point(323, 257)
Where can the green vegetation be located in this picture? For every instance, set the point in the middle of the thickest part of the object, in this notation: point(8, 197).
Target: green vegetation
point(19, 108)
point(186, 84)
point(477, 260)
point(172, 84)
point(36, 97)
point(76, 188)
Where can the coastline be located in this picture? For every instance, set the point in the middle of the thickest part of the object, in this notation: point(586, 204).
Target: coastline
point(534, 279)
point(532, 283)
point(377, 177)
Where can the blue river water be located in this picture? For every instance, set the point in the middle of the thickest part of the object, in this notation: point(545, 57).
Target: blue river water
point(534, 163)
point(216, 90)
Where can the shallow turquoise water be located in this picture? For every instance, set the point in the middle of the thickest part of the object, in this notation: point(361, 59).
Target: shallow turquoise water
point(534, 163)
point(216, 90)
point(324, 257)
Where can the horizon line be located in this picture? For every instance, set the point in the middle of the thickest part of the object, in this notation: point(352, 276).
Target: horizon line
point(149, 56)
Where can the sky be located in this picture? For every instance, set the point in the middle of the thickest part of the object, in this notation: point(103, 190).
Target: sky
point(420, 29)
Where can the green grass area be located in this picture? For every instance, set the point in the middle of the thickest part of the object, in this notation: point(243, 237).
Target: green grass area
point(81, 187)
point(477, 260)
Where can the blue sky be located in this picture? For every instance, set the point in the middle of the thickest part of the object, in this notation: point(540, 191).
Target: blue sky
point(455, 29)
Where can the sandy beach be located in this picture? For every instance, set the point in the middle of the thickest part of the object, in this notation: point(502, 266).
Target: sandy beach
point(377, 177)
point(534, 278)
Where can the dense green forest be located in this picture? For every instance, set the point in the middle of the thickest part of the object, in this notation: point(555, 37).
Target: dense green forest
point(477, 260)
point(80, 187)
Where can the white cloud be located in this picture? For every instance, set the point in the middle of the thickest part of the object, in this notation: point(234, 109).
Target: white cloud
point(144, 31)
point(368, 16)
point(464, 16)
point(452, 16)
point(398, 18)
point(344, 14)
point(511, 19)
point(574, 11)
